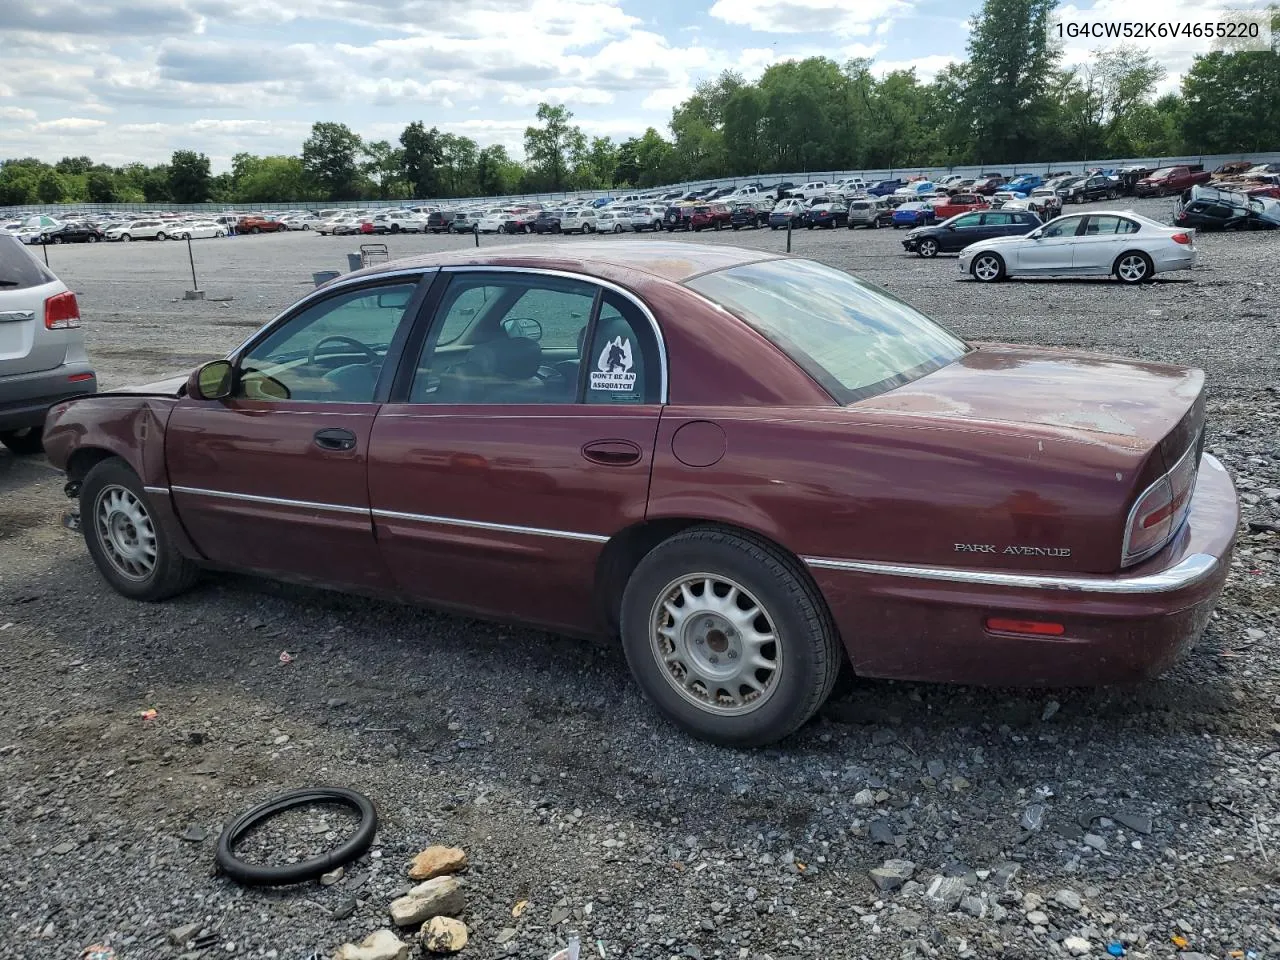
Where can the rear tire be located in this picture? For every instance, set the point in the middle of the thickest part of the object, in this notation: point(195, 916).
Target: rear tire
point(162, 235)
point(255, 230)
point(129, 546)
point(1133, 267)
point(666, 611)
point(23, 442)
point(126, 238)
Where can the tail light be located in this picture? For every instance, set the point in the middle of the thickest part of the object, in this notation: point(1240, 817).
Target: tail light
point(61, 312)
point(1181, 237)
point(1161, 510)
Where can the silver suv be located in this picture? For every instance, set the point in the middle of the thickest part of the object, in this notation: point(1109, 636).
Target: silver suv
point(42, 357)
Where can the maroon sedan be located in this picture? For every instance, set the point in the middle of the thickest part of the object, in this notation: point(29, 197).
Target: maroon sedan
point(751, 468)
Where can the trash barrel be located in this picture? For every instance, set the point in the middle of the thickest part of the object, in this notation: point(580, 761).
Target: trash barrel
point(353, 261)
point(324, 276)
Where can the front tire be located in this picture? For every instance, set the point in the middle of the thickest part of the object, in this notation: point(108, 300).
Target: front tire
point(987, 268)
point(255, 229)
point(927, 248)
point(129, 546)
point(728, 637)
point(126, 238)
point(25, 442)
point(1133, 267)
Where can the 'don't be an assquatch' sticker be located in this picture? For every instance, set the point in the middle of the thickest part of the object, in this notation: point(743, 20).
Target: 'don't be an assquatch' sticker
point(613, 369)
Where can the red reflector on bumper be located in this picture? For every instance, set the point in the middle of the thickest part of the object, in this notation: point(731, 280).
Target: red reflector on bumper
point(1037, 628)
point(80, 377)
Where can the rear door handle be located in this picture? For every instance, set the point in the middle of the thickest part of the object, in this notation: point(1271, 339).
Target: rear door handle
point(335, 438)
point(612, 453)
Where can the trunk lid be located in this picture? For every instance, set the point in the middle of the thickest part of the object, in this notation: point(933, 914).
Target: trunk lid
point(1132, 404)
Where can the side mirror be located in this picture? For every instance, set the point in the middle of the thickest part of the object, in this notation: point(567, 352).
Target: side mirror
point(522, 327)
point(212, 381)
point(1036, 234)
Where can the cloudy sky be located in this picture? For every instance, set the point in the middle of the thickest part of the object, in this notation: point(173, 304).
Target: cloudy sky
point(126, 80)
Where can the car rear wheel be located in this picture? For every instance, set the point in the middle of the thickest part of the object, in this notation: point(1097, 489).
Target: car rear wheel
point(255, 229)
point(23, 442)
point(987, 268)
point(728, 637)
point(928, 247)
point(131, 549)
point(126, 237)
point(162, 235)
point(92, 238)
point(1133, 267)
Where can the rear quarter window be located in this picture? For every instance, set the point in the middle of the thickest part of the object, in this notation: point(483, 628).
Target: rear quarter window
point(18, 269)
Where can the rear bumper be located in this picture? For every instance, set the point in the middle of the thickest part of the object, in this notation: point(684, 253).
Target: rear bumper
point(26, 398)
point(920, 623)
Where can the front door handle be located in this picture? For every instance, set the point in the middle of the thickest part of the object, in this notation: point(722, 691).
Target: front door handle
point(612, 453)
point(335, 438)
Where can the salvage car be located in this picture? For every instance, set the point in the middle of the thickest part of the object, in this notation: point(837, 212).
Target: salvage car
point(1207, 208)
point(959, 203)
point(72, 233)
point(547, 221)
point(140, 230)
point(830, 215)
point(912, 214)
point(1117, 242)
point(869, 212)
point(255, 223)
point(1097, 187)
point(956, 233)
point(42, 354)
point(199, 230)
point(750, 468)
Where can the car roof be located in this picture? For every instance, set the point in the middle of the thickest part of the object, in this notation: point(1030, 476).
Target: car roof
point(668, 260)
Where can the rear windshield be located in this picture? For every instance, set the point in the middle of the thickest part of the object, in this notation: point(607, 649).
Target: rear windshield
point(854, 339)
point(18, 269)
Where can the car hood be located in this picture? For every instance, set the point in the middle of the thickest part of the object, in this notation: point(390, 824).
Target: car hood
point(170, 386)
point(1124, 403)
point(994, 242)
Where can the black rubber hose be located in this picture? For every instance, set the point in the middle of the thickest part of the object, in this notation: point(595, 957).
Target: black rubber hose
point(261, 876)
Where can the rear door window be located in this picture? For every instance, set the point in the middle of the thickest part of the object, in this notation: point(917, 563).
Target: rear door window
point(18, 269)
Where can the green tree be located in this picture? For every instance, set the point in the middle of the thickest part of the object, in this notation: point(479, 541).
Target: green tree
point(458, 157)
point(656, 158)
point(1231, 101)
point(597, 165)
point(268, 179)
point(420, 159)
point(101, 187)
point(743, 128)
point(189, 177)
point(51, 188)
point(74, 165)
point(329, 156)
point(555, 147)
point(626, 168)
point(1010, 67)
point(382, 165)
point(496, 174)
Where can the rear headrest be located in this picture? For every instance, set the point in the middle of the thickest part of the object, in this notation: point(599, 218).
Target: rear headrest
point(509, 358)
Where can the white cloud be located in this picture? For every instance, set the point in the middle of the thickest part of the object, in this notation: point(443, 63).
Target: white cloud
point(17, 113)
point(926, 68)
point(841, 17)
point(72, 125)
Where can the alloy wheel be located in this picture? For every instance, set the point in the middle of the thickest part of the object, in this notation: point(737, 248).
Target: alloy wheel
point(928, 248)
point(715, 644)
point(986, 268)
point(126, 532)
point(1132, 268)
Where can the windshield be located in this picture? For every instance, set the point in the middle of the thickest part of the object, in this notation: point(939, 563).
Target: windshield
point(854, 339)
point(1161, 173)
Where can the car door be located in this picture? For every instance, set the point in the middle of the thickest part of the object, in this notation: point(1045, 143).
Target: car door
point(274, 478)
point(1100, 241)
point(960, 233)
point(519, 439)
point(1051, 250)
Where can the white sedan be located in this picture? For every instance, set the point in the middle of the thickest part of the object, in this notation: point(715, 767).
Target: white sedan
point(1128, 245)
point(198, 230)
point(497, 223)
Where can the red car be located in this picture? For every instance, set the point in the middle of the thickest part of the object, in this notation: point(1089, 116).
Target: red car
point(960, 203)
point(750, 467)
point(256, 224)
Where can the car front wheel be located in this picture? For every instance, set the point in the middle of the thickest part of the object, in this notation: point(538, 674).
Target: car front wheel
point(130, 548)
point(987, 268)
point(728, 637)
point(927, 248)
point(126, 237)
point(1133, 267)
point(162, 235)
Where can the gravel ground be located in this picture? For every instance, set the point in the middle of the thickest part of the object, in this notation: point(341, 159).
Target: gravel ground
point(1155, 809)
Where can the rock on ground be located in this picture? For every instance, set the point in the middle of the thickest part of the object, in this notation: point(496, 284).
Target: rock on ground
point(436, 861)
point(379, 945)
point(444, 935)
point(440, 896)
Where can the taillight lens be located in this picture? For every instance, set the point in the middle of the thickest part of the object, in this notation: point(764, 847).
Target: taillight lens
point(61, 312)
point(1181, 238)
point(1161, 510)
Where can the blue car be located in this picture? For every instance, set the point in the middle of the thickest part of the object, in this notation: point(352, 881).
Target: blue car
point(1024, 184)
point(912, 215)
point(601, 201)
point(884, 188)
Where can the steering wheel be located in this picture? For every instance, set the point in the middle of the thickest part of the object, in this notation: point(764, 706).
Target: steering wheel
point(363, 348)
